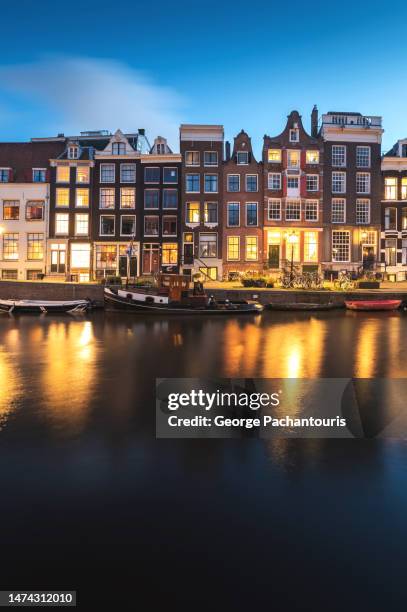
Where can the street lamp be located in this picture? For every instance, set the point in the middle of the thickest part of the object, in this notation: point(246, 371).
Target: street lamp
point(1, 230)
point(292, 239)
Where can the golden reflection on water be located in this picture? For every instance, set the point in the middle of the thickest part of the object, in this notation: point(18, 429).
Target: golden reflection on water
point(9, 386)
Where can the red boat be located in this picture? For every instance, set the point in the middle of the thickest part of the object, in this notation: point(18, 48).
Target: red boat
point(372, 304)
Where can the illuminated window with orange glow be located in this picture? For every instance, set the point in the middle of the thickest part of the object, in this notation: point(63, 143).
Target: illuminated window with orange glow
point(233, 248)
point(390, 188)
point(82, 174)
point(63, 174)
point(274, 156)
point(312, 157)
point(169, 253)
point(251, 248)
point(62, 198)
point(293, 159)
point(82, 198)
point(404, 188)
point(310, 246)
point(193, 212)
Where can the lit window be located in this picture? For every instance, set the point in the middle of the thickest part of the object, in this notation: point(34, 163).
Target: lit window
point(340, 245)
point(251, 248)
point(127, 197)
point(62, 224)
point(233, 212)
point(404, 219)
point(274, 156)
point(82, 198)
point(192, 211)
point(390, 188)
point(338, 210)
point(62, 197)
point(312, 182)
point(293, 210)
point(338, 182)
point(107, 225)
point(170, 198)
point(106, 257)
point(170, 175)
point(192, 158)
point(363, 182)
point(107, 173)
point(242, 157)
point(80, 257)
point(127, 173)
point(274, 181)
point(233, 248)
point(169, 253)
point(311, 246)
point(81, 224)
point(39, 175)
point(339, 155)
point(390, 252)
point(192, 183)
point(233, 182)
point(82, 174)
point(211, 212)
point(293, 159)
point(10, 247)
point(11, 210)
point(63, 174)
point(251, 182)
point(151, 198)
point(127, 225)
point(169, 225)
point(311, 210)
point(274, 210)
point(363, 157)
point(210, 158)
point(34, 211)
point(251, 214)
point(35, 247)
point(106, 198)
point(211, 183)
point(152, 175)
point(312, 157)
point(404, 188)
point(208, 245)
point(362, 211)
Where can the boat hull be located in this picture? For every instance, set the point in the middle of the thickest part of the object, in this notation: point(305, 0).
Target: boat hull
point(372, 304)
point(116, 302)
point(44, 307)
point(302, 306)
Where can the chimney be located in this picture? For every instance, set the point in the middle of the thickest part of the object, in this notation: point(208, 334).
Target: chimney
point(227, 146)
point(314, 122)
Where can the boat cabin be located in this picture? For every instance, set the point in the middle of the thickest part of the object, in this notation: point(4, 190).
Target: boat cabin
point(177, 288)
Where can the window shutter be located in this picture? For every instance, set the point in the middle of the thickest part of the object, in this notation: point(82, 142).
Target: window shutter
point(284, 185)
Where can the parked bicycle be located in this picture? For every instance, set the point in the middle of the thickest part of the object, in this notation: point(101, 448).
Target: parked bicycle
point(344, 282)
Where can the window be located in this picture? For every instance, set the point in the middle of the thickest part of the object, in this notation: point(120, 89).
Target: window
point(211, 212)
point(292, 182)
point(151, 175)
point(39, 175)
point(82, 174)
point(233, 212)
point(5, 174)
point(9, 274)
point(127, 173)
point(404, 188)
point(274, 210)
point(169, 225)
point(151, 226)
point(81, 224)
point(310, 246)
point(62, 197)
point(338, 182)
point(390, 218)
point(80, 257)
point(107, 225)
point(293, 159)
point(311, 210)
point(33, 274)
point(251, 248)
point(294, 135)
point(362, 211)
point(192, 158)
point(312, 157)
point(106, 198)
point(170, 198)
point(404, 219)
point(390, 252)
point(208, 245)
point(127, 197)
point(127, 225)
point(251, 182)
point(274, 181)
point(107, 173)
point(82, 198)
point(293, 210)
point(338, 210)
point(233, 182)
point(192, 183)
point(363, 157)
point(63, 174)
point(11, 210)
point(233, 248)
point(106, 257)
point(390, 188)
point(170, 175)
point(339, 155)
point(10, 247)
point(340, 245)
point(62, 224)
point(242, 158)
point(169, 253)
point(362, 182)
point(151, 198)
point(118, 148)
point(312, 182)
point(210, 158)
point(274, 156)
point(34, 211)
point(251, 213)
point(35, 247)
point(193, 215)
point(211, 183)
point(73, 152)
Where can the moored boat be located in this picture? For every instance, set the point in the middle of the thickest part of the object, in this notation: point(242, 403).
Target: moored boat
point(372, 304)
point(303, 306)
point(45, 306)
point(172, 296)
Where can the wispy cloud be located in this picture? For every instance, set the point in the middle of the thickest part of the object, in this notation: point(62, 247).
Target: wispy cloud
point(71, 94)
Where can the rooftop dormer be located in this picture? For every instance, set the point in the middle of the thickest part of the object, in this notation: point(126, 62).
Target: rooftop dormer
point(160, 147)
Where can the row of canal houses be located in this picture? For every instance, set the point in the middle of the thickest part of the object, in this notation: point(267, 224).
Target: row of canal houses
point(86, 207)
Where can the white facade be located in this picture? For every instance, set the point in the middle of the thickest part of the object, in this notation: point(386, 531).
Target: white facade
point(23, 229)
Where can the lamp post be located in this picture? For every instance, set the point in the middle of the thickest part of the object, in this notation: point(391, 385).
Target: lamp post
point(292, 239)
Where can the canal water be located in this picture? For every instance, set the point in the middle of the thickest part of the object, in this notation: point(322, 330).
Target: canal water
point(90, 500)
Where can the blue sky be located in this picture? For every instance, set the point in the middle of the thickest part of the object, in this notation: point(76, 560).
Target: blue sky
point(129, 64)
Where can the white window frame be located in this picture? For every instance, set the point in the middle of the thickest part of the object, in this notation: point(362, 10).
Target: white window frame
point(314, 203)
point(114, 226)
point(246, 238)
point(100, 198)
point(297, 203)
point(270, 181)
point(121, 224)
point(369, 156)
point(81, 234)
point(65, 221)
point(240, 163)
point(359, 202)
point(271, 201)
point(343, 174)
point(343, 200)
point(349, 246)
point(227, 214)
point(367, 183)
point(257, 215)
point(217, 182)
point(121, 171)
point(199, 182)
point(227, 182)
point(192, 165)
point(257, 183)
point(238, 248)
point(339, 165)
point(295, 131)
point(315, 178)
point(211, 165)
point(101, 172)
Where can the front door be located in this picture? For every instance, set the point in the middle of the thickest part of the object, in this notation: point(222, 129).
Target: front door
point(274, 255)
point(151, 259)
point(58, 259)
point(368, 257)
